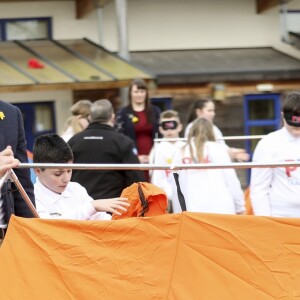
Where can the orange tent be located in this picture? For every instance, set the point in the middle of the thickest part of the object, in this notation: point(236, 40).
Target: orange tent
point(145, 199)
point(249, 209)
point(176, 256)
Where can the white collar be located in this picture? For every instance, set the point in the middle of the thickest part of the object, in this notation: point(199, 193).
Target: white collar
point(289, 137)
point(52, 195)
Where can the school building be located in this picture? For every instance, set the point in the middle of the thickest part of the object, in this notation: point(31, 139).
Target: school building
point(243, 53)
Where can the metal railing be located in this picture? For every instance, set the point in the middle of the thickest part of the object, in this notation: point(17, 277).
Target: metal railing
point(172, 167)
point(226, 138)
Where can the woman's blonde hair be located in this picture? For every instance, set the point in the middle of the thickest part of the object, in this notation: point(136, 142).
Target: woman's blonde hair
point(201, 132)
point(81, 109)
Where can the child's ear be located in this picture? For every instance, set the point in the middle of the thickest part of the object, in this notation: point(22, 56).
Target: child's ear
point(161, 130)
point(199, 112)
point(179, 127)
point(37, 171)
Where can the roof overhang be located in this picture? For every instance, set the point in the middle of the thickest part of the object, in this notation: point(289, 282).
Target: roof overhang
point(78, 64)
point(202, 66)
point(66, 86)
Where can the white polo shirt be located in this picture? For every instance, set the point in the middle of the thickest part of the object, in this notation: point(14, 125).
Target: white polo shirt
point(74, 203)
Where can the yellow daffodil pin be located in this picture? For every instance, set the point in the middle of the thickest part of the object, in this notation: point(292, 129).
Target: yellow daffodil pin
point(133, 118)
point(2, 116)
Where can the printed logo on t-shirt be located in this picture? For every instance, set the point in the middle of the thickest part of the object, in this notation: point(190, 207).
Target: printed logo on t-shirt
point(290, 171)
point(93, 138)
point(134, 150)
point(188, 160)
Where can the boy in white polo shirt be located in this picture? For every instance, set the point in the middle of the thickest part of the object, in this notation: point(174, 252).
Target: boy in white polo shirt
point(59, 198)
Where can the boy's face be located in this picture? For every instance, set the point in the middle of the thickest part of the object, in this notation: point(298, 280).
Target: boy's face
point(169, 131)
point(55, 180)
point(293, 130)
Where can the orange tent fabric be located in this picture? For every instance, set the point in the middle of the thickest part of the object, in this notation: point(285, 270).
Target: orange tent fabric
point(249, 209)
point(156, 198)
point(175, 256)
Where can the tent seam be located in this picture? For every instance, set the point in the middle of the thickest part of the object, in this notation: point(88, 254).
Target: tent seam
point(176, 253)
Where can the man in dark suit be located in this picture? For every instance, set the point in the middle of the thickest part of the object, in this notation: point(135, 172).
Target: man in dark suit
point(12, 134)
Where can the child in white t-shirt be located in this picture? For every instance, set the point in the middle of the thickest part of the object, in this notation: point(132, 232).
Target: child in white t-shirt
point(162, 153)
point(56, 196)
point(275, 191)
point(208, 190)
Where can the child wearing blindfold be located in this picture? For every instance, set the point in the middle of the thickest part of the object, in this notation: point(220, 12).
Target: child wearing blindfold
point(275, 191)
point(162, 153)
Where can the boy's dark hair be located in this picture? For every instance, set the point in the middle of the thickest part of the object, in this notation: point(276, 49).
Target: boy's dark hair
point(51, 148)
point(292, 103)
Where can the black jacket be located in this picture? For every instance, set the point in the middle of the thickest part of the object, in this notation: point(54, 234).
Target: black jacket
point(12, 134)
point(125, 125)
point(101, 144)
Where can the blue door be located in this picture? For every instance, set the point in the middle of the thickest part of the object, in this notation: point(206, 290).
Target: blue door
point(163, 103)
point(38, 119)
point(262, 115)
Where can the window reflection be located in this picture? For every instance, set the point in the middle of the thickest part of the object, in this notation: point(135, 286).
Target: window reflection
point(43, 118)
point(27, 29)
point(262, 110)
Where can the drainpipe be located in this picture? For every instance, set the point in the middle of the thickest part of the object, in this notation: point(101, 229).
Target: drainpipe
point(121, 12)
point(99, 11)
point(283, 22)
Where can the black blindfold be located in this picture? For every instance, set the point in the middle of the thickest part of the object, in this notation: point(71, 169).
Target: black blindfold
point(166, 125)
point(293, 119)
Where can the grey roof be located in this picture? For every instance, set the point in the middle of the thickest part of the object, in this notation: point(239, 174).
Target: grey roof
point(213, 65)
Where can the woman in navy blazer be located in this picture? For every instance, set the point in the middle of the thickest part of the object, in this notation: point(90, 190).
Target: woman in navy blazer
point(139, 120)
point(12, 134)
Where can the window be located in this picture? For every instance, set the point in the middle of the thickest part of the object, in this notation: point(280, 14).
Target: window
point(262, 115)
point(25, 29)
point(293, 21)
point(38, 119)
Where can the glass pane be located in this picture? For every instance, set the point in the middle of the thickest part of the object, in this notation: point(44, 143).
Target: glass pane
point(262, 109)
point(23, 30)
point(10, 76)
point(78, 68)
point(261, 130)
point(20, 57)
point(112, 64)
point(43, 118)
